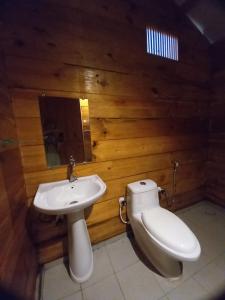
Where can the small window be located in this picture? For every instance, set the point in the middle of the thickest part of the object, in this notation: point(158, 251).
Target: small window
point(161, 44)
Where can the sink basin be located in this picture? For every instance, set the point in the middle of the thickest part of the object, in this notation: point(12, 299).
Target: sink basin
point(71, 198)
point(63, 197)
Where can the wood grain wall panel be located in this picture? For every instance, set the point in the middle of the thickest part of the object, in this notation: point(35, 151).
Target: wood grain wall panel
point(215, 167)
point(18, 262)
point(7, 124)
point(125, 107)
point(215, 190)
point(145, 111)
point(33, 158)
point(44, 74)
point(116, 169)
point(105, 150)
point(141, 108)
point(20, 106)
point(48, 34)
point(104, 58)
point(29, 130)
point(190, 197)
point(216, 152)
point(117, 187)
point(111, 129)
point(217, 57)
point(217, 108)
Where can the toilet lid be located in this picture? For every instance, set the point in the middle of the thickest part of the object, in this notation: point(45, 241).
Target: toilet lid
point(168, 229)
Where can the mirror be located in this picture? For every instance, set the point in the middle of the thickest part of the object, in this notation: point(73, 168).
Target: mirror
point(66, 129)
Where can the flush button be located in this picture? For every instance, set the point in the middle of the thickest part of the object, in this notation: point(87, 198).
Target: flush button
point(142, 183)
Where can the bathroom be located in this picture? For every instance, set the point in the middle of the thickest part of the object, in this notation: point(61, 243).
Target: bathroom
point(139, 115)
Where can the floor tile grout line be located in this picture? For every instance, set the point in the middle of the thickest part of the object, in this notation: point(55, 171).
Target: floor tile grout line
point(205, 289)
point(82, 294)
point(138, 259)
point(68, 295)
point(193, 274)
point(122, 292)
point(102, 279)
point(62, 298)
point(114, 272)
point(175, 288)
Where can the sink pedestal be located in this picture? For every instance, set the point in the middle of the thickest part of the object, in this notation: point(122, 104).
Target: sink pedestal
point(79, 248)
point(71, 198)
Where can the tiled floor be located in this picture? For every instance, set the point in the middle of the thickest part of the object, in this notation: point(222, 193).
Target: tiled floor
point(121, 274)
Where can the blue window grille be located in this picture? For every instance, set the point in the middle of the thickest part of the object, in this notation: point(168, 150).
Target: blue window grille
point(162, 44)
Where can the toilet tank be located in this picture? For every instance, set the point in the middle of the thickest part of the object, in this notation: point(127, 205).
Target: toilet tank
point(141, 195)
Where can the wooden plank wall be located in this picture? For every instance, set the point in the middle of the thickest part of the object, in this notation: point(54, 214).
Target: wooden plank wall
point(145, 111)
point(215, 188)
point(18, 261)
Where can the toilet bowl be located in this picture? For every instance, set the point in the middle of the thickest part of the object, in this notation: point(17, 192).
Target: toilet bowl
point(163, 237)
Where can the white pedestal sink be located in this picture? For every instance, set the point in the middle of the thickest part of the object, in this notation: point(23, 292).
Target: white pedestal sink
point(71, 198)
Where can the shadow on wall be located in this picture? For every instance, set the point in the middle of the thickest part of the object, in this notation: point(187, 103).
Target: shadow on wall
point(8, 295)
point(221, 296)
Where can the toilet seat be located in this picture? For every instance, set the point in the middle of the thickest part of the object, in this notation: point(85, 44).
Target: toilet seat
point(171, 233)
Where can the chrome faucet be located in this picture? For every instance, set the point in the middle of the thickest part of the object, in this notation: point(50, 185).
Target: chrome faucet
point(71, 165)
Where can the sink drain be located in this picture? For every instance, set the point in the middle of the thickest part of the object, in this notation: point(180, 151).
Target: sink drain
point(73, 202)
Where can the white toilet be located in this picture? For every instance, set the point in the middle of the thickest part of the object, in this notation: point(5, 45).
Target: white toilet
point(164, 238)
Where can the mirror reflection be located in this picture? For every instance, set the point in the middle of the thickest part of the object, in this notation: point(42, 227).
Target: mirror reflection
point(66, 129)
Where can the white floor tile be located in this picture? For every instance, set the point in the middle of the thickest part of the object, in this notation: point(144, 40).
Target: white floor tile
point(102, 267)
point(214, 207)
point(211, 237)
point(121, 254)
point(138, 283)
point(76, 296)
point(185, 217)
point(213, 232)
point(211, 278)
point(107, 289)
point(220, 262)
point(189, 269)
point(166, 284)
point(116, 238)
point(188, 290)
point(218, 228)
point(57, 283)
point(203, 215)
point(211, 245)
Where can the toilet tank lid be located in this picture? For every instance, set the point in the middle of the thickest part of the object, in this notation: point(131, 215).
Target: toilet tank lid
point(142, 186)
